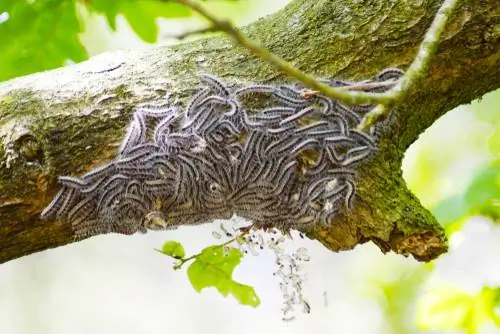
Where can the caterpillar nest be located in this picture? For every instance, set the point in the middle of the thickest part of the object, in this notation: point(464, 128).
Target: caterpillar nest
point(267, 153)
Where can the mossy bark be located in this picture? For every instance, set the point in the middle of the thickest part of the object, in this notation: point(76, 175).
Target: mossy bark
point(68, 121)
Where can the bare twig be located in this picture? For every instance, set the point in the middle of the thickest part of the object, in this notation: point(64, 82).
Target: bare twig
point(308, 80)
point(353, 87)
point(417, 69)
point(190, 33)
point(181, 261)
point(368, 85)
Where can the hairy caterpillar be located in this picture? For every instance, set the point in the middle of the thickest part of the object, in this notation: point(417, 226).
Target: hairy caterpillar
point(288, 161)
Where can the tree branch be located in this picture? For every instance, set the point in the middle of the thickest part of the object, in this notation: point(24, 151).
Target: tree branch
point(70, 120)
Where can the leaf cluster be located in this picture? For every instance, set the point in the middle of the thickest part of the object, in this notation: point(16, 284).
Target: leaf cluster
point(44, 34)
point(214, 267)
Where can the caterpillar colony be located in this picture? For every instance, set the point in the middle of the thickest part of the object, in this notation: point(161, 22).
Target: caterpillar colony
point(270, 154)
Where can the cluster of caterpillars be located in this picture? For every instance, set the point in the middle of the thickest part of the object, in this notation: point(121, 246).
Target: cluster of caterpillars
point(268, 153)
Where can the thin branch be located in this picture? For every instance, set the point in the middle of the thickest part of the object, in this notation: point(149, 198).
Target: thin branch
point(347, 97)
point(368, 85)
point(181, 262)
point(354, 87)
point(419, 67)
point(190, 33)
point(427, 50)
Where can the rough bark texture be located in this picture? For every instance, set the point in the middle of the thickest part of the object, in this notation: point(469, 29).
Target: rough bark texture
point(68, 121)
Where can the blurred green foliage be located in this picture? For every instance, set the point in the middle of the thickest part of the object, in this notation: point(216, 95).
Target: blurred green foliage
point(483, 194)
point(43, 34)
point(482, 197)
point(488, 110)
point(38, 35)
point(398, 296)
point(141, 15)
point(449, 307)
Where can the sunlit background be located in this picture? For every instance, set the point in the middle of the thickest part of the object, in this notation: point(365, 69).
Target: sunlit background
point(116, 284)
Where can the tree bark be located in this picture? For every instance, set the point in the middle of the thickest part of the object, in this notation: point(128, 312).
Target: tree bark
point(70, 120)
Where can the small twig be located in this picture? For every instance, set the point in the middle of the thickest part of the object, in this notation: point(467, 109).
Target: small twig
point(308, 80)
point(369, 85)
point(418, 68)
point(189, 33)
point(427, 50)
point(192, 257)
point(356, 86)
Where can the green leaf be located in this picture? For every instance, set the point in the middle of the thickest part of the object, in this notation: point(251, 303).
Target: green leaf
point(483, 194)
point(109, 8)
point(173, 249)
point(140, 14)
point(214, 268)
point(38, 35)
point(450, 210)
point(142, 22)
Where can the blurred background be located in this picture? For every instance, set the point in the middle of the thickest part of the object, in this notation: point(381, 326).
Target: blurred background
point(116, 284)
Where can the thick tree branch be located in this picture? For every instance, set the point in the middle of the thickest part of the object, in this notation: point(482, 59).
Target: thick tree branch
point(70, 120)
